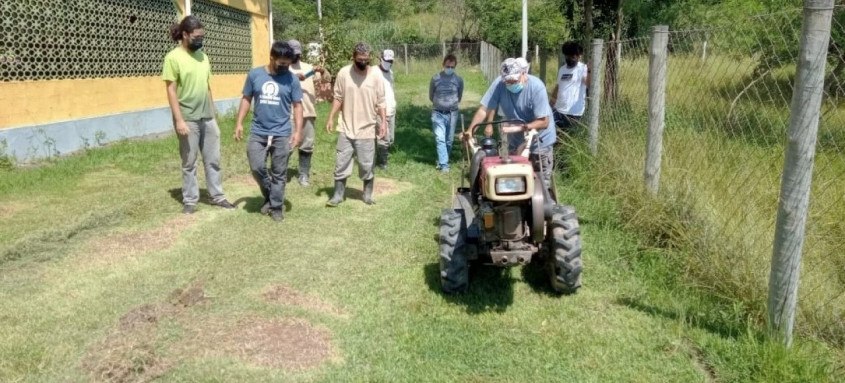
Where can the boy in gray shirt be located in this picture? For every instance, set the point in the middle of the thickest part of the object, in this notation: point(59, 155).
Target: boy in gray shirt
point(445, 92)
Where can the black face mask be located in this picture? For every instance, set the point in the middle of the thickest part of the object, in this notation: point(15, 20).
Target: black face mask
point(282, 69)
point(571, 62)
point(361, 65)
point(195, 44)
point(296, 58)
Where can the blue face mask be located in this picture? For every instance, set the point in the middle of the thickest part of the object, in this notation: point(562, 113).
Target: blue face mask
point(514, 88)
point(449, 71)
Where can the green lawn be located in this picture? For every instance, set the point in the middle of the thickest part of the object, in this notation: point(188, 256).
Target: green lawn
point(93, 249)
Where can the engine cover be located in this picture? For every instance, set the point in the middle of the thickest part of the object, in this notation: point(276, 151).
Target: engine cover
point(494, 169)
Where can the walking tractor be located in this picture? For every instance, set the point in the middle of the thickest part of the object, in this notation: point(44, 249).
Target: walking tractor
point(507, 217)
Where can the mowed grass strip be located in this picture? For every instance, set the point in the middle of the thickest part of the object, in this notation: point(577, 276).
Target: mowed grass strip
point(148, 294)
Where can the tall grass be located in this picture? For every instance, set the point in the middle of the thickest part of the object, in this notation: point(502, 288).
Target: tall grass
point(723, 157)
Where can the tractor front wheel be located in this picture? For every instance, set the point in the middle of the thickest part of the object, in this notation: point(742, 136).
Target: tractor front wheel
point(564, 262)
point(454, 268)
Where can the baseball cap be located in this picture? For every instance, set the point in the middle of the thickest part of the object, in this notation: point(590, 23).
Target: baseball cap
point(297, 47)
point(387, 55)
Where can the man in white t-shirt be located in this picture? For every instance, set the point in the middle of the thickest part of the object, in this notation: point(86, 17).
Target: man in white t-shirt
point(383, 144)
point(569, 95)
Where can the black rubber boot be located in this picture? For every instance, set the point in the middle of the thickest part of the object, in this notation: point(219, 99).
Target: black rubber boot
point(304, 168)
point(368, 191)
point(382, 154)
point(339, 191)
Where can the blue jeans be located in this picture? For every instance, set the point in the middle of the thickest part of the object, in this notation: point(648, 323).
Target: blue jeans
point(444, 123)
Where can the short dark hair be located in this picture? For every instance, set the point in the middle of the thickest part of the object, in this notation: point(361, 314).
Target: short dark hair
point(450, 57)
point(281, 49)
point(361, 48)
point(572, 48)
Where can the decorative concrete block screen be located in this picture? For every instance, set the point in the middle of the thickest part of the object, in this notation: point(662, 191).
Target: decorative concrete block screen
point(228, 36)
point(49, 39)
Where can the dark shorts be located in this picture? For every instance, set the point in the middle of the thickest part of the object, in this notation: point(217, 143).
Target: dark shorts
point(566, 123)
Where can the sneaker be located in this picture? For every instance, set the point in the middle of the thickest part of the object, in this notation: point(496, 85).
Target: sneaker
point(444, 170)
point(277, 215)
point(303, 181)
point(266, 208)
point(382, 166)
point(224, 204)
point(189, 209)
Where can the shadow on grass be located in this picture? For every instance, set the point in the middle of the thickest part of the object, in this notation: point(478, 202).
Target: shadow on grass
point(727, 327)
point(350, 194)
point(251, 204)
point(414, 137)
point(490, 288)
point(536, 276)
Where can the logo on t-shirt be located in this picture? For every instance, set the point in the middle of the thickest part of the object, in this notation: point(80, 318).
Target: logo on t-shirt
point(269, 94)
point(566, 77)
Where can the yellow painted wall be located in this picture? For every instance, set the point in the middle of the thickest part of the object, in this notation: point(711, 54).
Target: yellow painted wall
point(26, 103)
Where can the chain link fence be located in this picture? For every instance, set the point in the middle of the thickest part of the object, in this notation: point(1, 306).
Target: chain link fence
point(428, 58)
point(727, 112)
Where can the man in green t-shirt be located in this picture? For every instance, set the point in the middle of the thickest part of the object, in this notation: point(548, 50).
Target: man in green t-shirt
point(186, 73)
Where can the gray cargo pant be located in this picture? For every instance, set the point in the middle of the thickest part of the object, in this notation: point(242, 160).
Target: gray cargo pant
point(308, 135)
point(385, 143)
point(203, 137)
point(364, 151)
point(543, 160)
point(272, 182)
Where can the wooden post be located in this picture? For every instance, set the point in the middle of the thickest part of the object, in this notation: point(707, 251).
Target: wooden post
point(798, 168)
point(657, 66)
point(594, 101)
point(544, 58)
point(443, 44)
point(407, 64)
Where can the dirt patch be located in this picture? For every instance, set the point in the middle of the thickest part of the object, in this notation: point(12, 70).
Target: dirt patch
point(145, 315)
point(387, 186)
point(700, 362)
point(126, 356)
point(290, 344)
point(8, 209)
point(191, 295)
point(114, 248)
point(135, 352)
point(287, 296)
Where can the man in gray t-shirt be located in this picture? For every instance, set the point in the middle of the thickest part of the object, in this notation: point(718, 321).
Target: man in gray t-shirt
point(445, 92)
point(520, 96)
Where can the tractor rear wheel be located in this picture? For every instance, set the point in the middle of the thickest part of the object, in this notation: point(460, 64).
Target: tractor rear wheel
point(564, 262)
point(454, 268)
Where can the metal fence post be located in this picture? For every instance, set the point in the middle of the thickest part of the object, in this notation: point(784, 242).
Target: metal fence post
point(657, 68)
point(798, 168)
point(595, 88)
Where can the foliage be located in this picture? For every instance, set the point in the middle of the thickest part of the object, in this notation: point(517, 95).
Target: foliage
point(500, 23)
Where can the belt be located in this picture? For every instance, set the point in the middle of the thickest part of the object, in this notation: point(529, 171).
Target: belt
point(445, 111)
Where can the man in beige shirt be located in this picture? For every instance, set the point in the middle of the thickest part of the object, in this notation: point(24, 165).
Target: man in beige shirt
point(359, 97)
point(308, 75)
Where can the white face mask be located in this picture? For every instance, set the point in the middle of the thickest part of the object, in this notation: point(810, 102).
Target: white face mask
point(386, 65)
